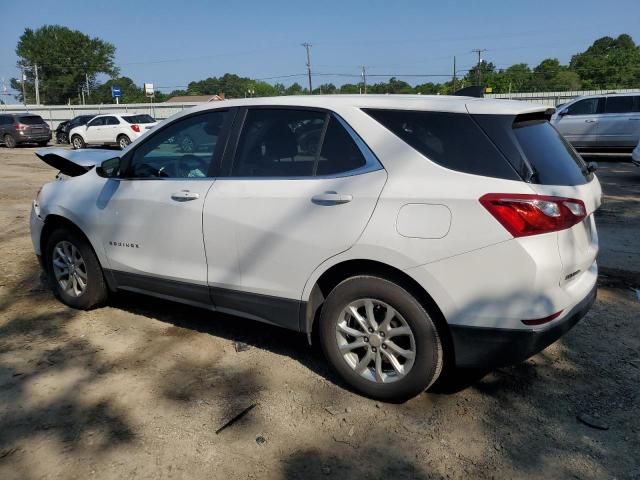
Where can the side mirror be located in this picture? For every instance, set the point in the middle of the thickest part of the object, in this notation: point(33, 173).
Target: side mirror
point(109, 168)
point(592, 167)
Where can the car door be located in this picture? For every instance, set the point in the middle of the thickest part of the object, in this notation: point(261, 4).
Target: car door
point(151, 217)
point(299, 188)
point(109, 132)
point(579, 122)
point(620, 122)
point(93, 130)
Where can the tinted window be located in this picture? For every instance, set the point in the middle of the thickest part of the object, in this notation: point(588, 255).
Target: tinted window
point(339, 152)
point(139, 119)
point(111, 121)
point(622, 104)
point(554, 161)
point(452, 140)
point(97, 122)
point(5, 120)
point(279, 143)
point(31, 120)
point(588, 106)
point(185, 149)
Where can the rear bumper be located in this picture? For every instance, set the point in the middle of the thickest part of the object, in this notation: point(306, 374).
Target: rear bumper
point(481, 347)
point(33, 137)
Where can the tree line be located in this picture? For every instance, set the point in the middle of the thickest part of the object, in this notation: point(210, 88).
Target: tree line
point(70, 63)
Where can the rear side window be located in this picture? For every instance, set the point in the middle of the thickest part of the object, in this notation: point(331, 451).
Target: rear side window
point(339, 152)
point(139, 119)
point(553, 160)
point(622, 104)
point(111, 121)
point(31, 120)
point(6, 120)
point(452, 140)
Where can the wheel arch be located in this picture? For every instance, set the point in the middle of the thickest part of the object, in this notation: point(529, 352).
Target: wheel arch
point(335, 274)
point(51, 223)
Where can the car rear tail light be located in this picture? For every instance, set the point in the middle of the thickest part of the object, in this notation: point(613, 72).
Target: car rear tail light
point(525, 214)
point(21, 126)
point(541, 321)
point(135, 128)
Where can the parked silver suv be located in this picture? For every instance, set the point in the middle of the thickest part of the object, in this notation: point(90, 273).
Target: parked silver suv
point(601, 121)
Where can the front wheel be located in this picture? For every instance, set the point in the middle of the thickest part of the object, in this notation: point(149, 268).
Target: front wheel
point(61, 138)
point(123, 141)
point(380, 339)
point(74, 270)
point(77, 142)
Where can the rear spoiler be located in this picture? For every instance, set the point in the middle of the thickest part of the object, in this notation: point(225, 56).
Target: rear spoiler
point(74, 162)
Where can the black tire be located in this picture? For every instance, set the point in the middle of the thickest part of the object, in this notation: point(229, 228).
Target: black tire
point(77, 142)
point(95, 291)
point(123, 141)
point(61, 138)
point(428, 346)
point(9, 141)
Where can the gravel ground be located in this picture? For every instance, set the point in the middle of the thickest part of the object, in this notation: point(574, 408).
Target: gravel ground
point(137, 389)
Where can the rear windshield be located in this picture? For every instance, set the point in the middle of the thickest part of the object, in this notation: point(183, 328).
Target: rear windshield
point(452, 140)
point(139, 119)
point(553, 160)
point(31, 120)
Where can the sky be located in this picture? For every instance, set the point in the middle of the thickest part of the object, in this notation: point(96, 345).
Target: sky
point(170, 43)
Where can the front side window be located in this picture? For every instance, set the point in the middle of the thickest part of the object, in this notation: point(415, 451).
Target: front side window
point(588, 106)
point(294, 143)
point(96, 122)
point(622, 104)
point(184, 149)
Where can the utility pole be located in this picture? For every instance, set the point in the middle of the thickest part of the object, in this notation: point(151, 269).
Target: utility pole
point(364, 78)
point(479, 52)
point(307, 46)
point(24, 93)
point(453, 80)
point(37, 86)
point(86, 77)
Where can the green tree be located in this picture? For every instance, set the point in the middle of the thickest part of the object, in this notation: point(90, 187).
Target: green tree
point(65, 58)
point(608, 63)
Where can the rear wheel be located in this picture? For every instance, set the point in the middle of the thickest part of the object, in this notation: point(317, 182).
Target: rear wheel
point(9, 141)
point(74, 270)
point(123, 141)
point(380, 339)
point(77, 142)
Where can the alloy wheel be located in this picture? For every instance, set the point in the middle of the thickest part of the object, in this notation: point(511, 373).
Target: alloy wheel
point(375, 340)
point(69, 268)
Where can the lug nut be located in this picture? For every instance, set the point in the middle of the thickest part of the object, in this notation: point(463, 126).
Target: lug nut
point(366, 339)
point(371, 330)
point(374, 349)
point(381, 334)
point(384, 347)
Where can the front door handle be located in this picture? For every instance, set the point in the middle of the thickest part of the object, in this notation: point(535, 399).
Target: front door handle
point(184, 196)
point(331, 198)
point(590, 121)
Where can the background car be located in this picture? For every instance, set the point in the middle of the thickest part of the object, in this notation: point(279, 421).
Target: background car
point(62, 132)
point(635, 156)
point(600, 121)
point(111, 129)
point(19, 128)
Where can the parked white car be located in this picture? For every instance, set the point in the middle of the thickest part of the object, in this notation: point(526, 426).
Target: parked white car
point(411, 233)
point(111, 129)
point(635, 156)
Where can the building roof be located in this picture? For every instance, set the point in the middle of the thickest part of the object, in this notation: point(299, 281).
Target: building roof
point(195, 99)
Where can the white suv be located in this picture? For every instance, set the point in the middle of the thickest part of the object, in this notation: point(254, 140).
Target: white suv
point(411, 233)
point(118, 130)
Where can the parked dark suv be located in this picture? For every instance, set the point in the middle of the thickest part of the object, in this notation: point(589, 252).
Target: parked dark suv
point(17, 128)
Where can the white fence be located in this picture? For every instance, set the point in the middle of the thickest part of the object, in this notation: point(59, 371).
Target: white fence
point(55, 114)
point(556, 98)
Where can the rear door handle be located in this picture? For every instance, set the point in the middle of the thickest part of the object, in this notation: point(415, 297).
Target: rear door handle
point(331, 198)
point(635, 119)
point(184, 196)
point(590, 121)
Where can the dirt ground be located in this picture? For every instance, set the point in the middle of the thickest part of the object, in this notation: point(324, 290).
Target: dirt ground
point(137, 389)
